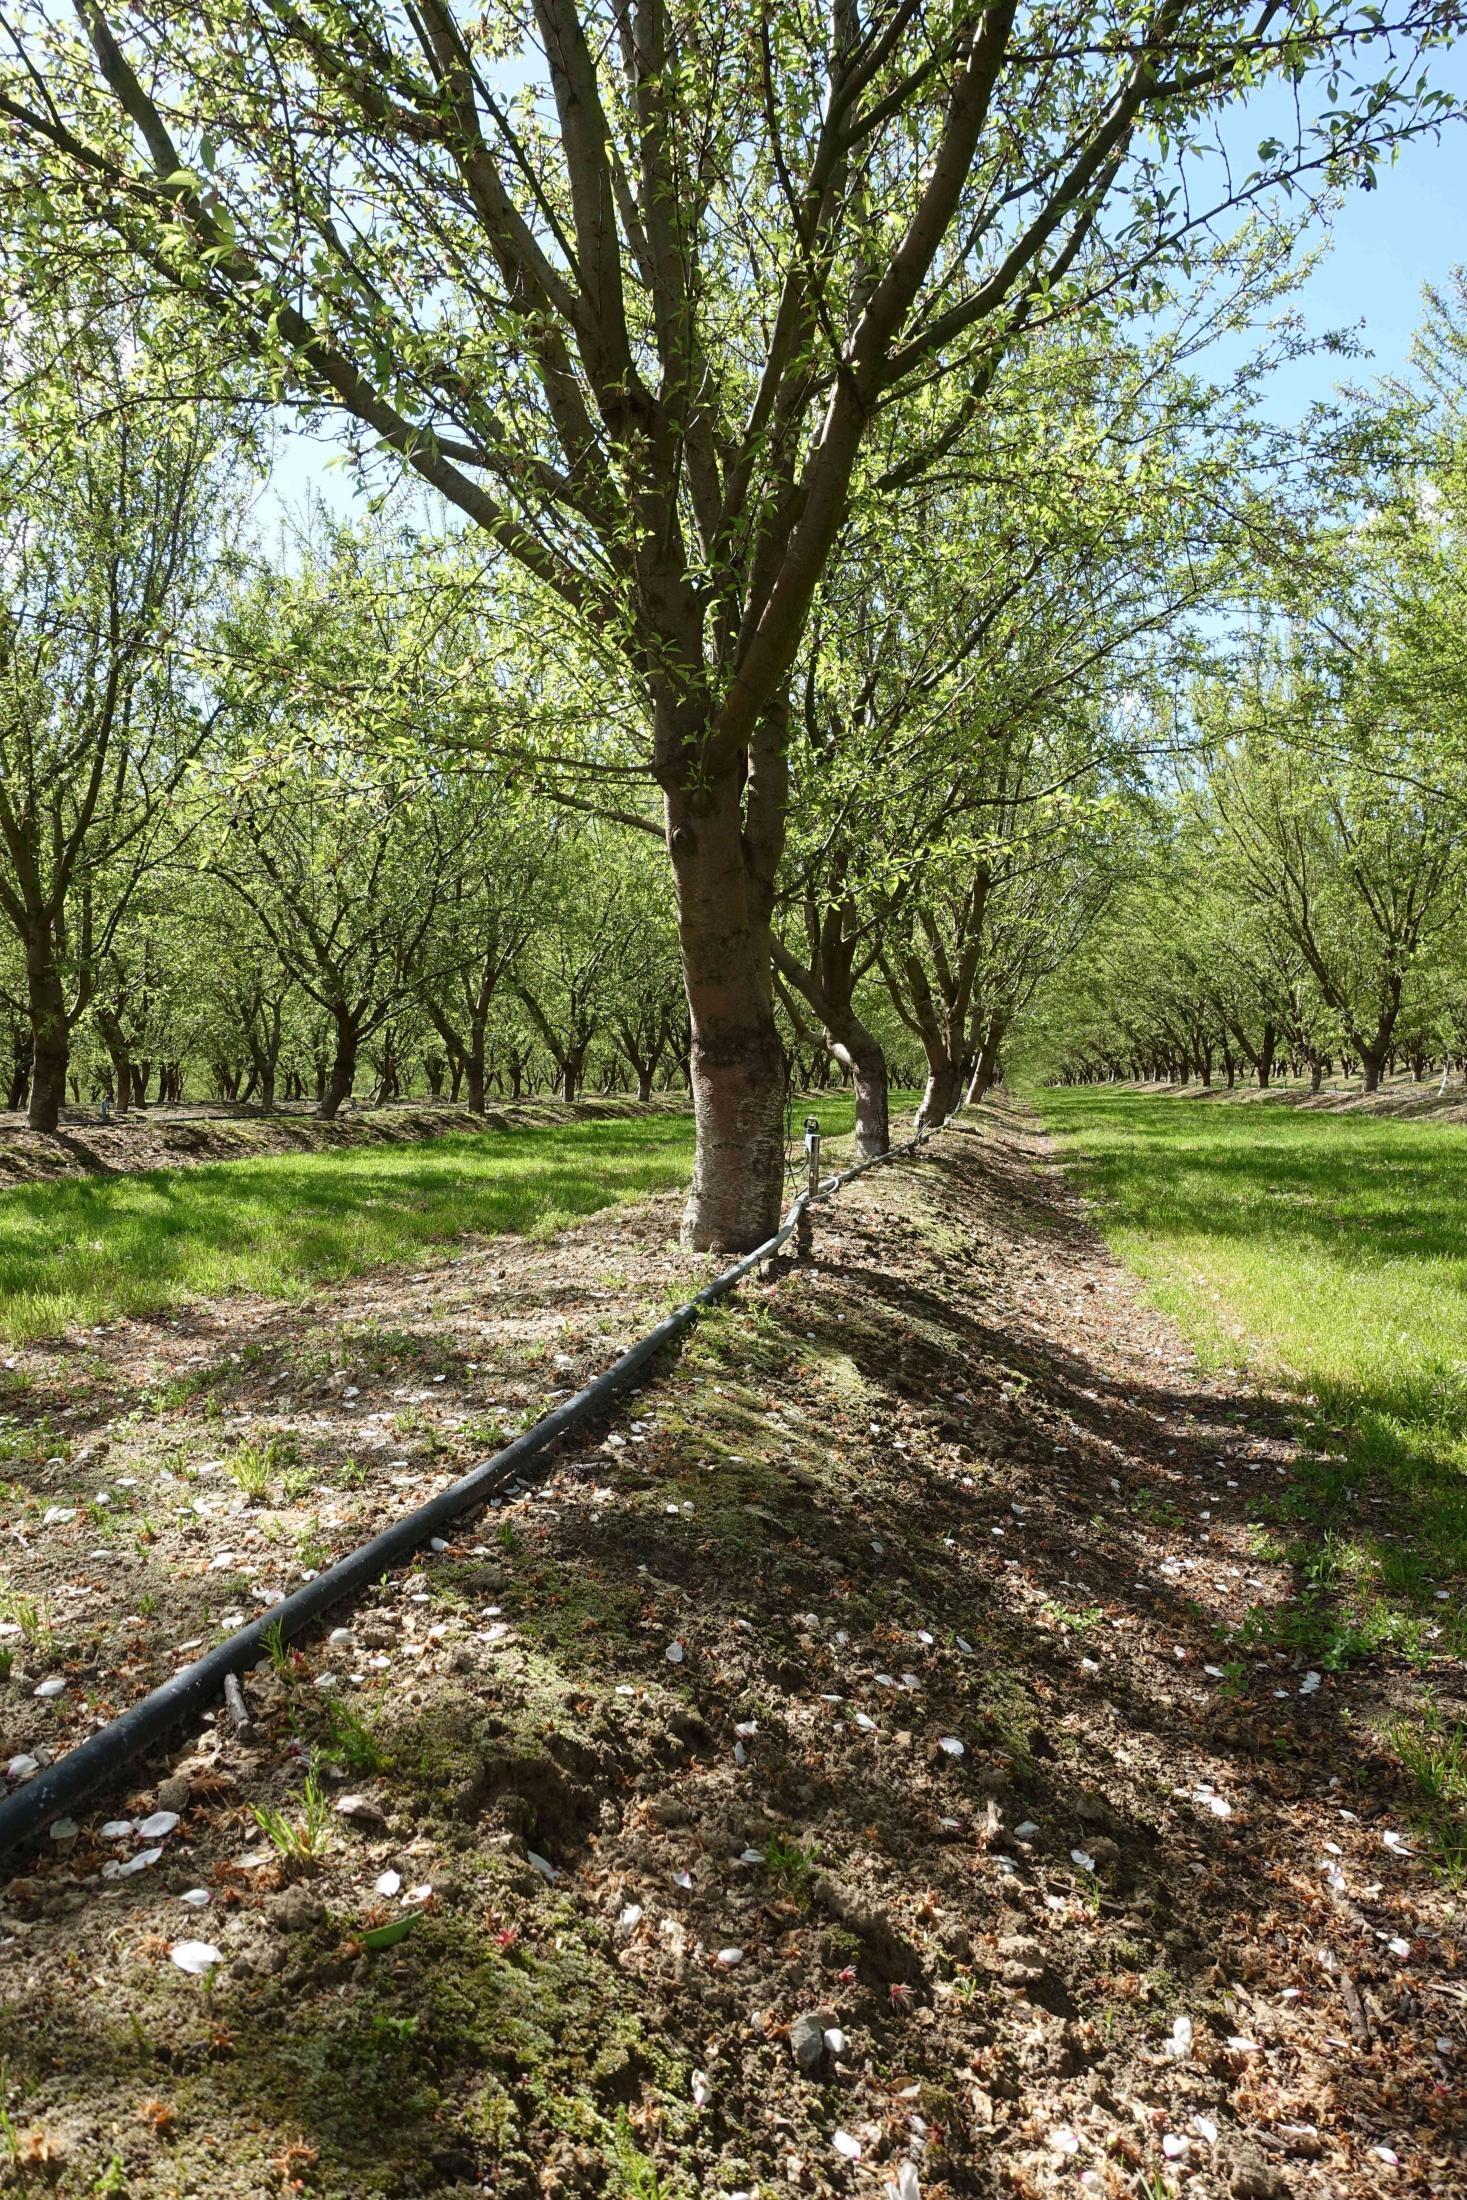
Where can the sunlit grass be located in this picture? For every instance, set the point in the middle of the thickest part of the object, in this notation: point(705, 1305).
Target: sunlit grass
point(1328, 1254)
point(86, 1249)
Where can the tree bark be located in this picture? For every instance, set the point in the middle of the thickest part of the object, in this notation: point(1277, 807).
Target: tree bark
point(342, 1074)
point(50, 1035)
point(736, 1062)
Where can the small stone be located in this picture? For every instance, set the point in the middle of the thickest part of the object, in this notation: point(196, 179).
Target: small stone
point(293, 1910)
point(807, 2042)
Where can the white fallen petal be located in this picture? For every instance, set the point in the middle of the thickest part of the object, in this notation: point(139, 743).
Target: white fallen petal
point(116, 1829)
point(700, 2088)
point(1174, 2147)
point(751, 1856)
point(905, 2185)
point(1241, 2045)
point(64, 1829)
point(22, 1766)
point(55, 1686)
point(197, 1898)
point(197, 1957)
point(674, 1653)
point(1206, 2129)
point(542, 1865)
point(1392, 1841)
point(630, 1917)
point(161, 1822)
point(388, 1882)
point(1083, 1858)
point(835, 2040)
point(1388, 2155)
point(1063, 2141)
point(846, 2147)
point(1026, 1831)
point(682, 1879)
point(952, 1745)
point(1309, 1683)
point(1400, 1947)
point(419, 1894)
point(56, 1516)
point(1180, 2042)
point(730, 1957)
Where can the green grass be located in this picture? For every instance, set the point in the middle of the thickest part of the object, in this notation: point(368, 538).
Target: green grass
point(1327, 1254)
point(86, 1249)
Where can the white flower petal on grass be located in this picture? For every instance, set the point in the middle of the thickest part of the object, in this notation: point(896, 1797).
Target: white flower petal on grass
point(674, 1653)
point(952, 1745)
point(835, 2040)
point(630, 1917)
point(56, 1516)
point(867, 1725)
point(1083, 1858)
point(1026, 1831)
point(846, 2147)
point(55, 1686)
point(1242, 2045)
point(1175, 2147)
point(682, 1879)
point(197, 1898)
point(197, 1957)
point(388, 1882)
point(419, 1894)
point(1206, 2129)
point(543, 1866)
point(116, 1829)
point(730, 1958)
point(700, 2088)
point(1392, 1841)
point(1309, 1683)
point(1063, 2141)
point(751, 1856)
point(1388, 2155)
point(64, 1829)
point(1399, 1947)
point(1179, 2044)
point(161, 1822)
point(905, 2185)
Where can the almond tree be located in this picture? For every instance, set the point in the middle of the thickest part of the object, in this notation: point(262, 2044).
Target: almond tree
point(627, 282)
point(114, 511)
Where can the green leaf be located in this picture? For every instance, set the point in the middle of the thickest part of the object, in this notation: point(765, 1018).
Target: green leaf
point(388, 1936)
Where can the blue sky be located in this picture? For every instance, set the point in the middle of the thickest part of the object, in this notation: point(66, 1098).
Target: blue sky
point(1387, 244)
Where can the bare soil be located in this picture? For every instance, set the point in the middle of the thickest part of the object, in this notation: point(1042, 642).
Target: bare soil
point(874, 1685)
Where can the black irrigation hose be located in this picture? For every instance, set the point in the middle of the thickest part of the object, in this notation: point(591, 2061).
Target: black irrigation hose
point(51, 1792)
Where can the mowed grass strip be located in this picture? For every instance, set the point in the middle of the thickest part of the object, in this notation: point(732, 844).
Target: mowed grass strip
point(1328, 1254)
point(87, 1249)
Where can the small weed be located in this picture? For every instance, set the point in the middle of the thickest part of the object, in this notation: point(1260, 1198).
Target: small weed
point(351, 1743)
point(351, 1476)
point(7, 1660)
point(257, 1467)
point(505, 1536)
point(32, 1615)
point(301, 1840)
point(636, 2176)
point(147, 1604)
point(1435, 1755)
point(282, 1660)
point(791, 1864)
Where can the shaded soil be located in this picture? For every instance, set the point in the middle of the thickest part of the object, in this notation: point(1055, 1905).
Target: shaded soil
point(1398, 1096)
point(899, 1662)
point(172, 1138)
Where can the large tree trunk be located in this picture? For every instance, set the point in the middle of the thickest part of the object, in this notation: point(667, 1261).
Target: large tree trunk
point(50, 1036)
point(736, 1063)
point(987, 1063)
point(944, 1083)
point(473, 1066)
point(20, 1075)
point(342, 1073)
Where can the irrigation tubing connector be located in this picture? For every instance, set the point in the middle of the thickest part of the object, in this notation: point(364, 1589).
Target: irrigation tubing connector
point(49, 1793)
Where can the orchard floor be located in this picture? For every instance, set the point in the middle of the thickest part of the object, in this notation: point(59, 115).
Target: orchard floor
point(900, 1658)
